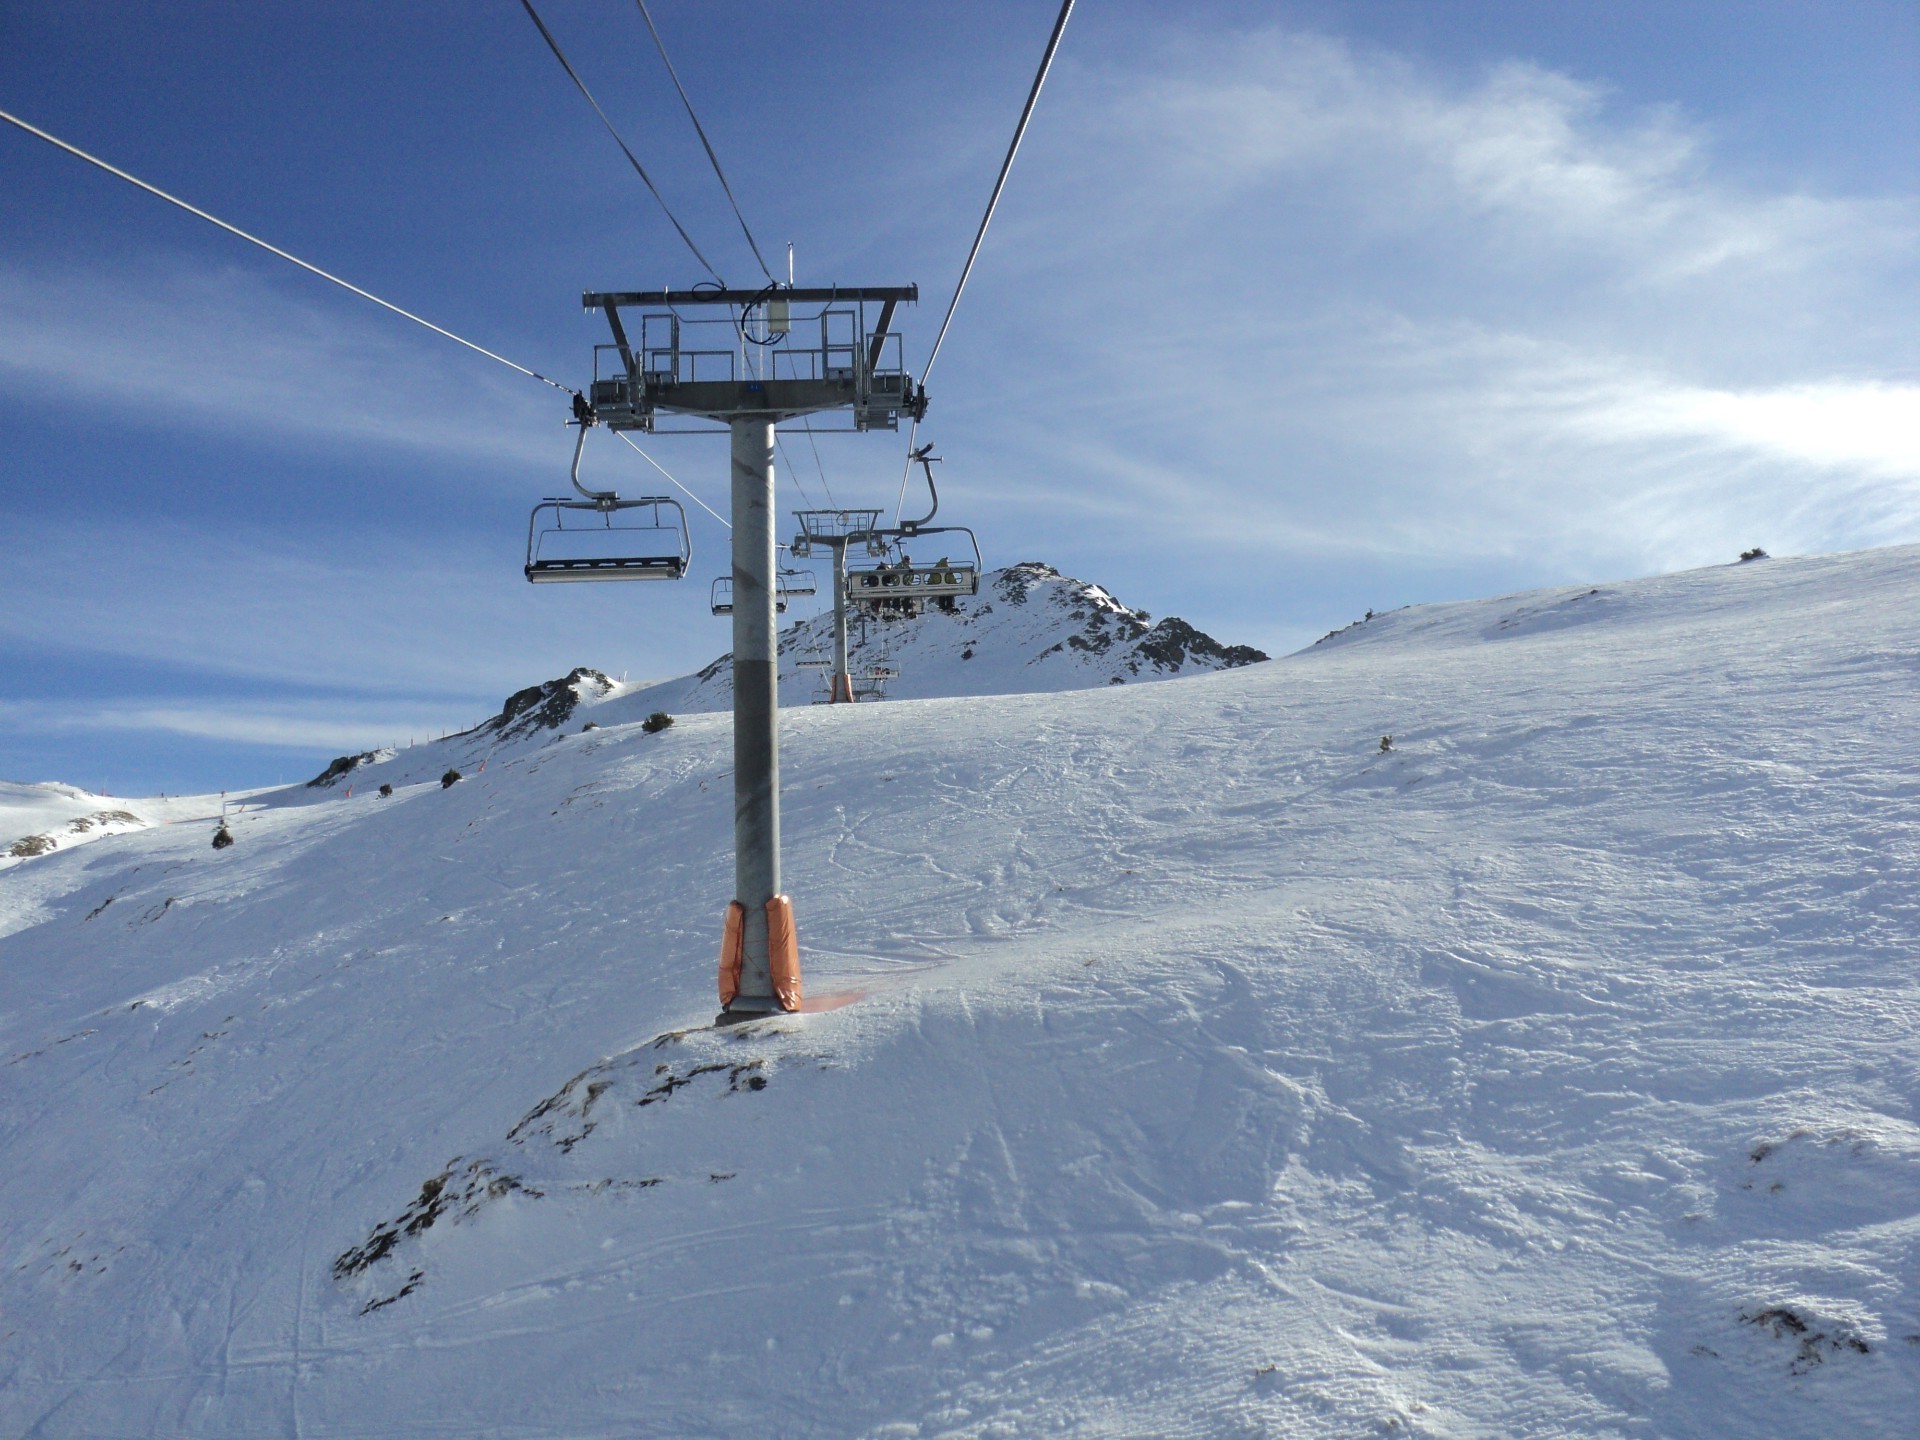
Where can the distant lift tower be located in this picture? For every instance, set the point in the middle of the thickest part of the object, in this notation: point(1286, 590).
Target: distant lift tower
point(880, 588)
point(833, 531)
point(749, 359)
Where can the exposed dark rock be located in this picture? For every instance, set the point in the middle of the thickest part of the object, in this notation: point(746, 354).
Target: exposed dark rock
point(345, 765)
point(548, 705)
point(1173, 642)
point(1016, 580)
point(455, 1193)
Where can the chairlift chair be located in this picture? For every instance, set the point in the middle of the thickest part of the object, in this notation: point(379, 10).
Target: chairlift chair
point(603, 537)
point(721, 598)
point(872, 684)
point(908, 587)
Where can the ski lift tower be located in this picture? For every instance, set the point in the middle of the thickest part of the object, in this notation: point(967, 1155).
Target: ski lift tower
point(748, 359)
point(833, 531)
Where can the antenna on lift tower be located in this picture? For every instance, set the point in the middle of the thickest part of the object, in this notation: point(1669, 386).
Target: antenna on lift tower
point(747, 360)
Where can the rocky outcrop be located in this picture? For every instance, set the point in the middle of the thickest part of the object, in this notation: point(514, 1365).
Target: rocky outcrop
point(548, 705)
point(340, 768)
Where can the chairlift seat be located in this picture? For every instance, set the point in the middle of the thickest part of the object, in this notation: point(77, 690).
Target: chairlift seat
point(626, 567)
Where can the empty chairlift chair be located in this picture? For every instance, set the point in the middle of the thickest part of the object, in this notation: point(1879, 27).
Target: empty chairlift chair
point(602, 537)
point(721, 598)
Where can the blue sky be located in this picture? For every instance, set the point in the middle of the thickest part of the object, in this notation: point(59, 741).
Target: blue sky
point(1292, 310)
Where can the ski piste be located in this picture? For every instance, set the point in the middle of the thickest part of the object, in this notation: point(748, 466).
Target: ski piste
point(1218, 1071)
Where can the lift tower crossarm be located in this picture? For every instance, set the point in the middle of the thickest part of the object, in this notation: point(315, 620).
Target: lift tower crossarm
point(620, 336)
point(879, 340)
point(802, 295)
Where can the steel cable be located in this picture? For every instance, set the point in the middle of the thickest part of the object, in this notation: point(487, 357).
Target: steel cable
point(700, 130)
point(276, 250)
point(632, 159)
point(1006, 166)
point(675, 483)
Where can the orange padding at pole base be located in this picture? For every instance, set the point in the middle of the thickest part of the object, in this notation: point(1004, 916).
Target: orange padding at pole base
point(783, 952)
point(733, 950)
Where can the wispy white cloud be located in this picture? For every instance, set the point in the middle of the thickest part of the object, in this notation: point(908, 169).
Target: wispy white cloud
point(298, 725)
point(179, 343)
point(417, 629)
point(1867, 427)
point(1310, 302)
point(1390, 148)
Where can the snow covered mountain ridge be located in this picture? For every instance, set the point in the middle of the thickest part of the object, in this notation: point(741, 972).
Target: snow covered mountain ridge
point(1029, 630)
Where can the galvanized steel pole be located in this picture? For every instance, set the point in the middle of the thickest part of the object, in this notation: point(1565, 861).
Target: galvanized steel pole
point(756, 701)
point(842, 681)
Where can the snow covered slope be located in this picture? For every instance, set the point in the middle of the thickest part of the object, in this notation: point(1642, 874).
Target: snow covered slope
point(36, 820)
point(1217, 1072)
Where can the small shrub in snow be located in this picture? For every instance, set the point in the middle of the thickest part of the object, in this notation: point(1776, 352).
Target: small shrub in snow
point(1756, 553)
point(656, 722)
point(450, 779)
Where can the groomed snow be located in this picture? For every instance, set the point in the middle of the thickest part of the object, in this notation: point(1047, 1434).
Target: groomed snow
point(1217, 1073)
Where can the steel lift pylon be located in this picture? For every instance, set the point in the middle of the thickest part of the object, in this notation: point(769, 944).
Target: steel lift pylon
point(750, 359)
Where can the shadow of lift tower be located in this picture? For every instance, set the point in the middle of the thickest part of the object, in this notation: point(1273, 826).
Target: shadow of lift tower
point(749, 360)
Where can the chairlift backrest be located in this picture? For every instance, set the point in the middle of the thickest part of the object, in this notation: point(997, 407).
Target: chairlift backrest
point(881, 584)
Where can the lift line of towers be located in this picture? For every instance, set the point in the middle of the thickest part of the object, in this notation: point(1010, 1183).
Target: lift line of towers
point(855, 366)
point(746, 359)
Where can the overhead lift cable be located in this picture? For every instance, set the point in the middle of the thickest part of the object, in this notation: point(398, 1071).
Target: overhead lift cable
point(335, 279)
point(700, 130)
point(1006, 166)
point(807, 426)
point(632, 159)
point(675, 483)
point(276, 250)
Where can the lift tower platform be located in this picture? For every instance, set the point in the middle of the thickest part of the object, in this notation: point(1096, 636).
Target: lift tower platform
point(749, 359)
